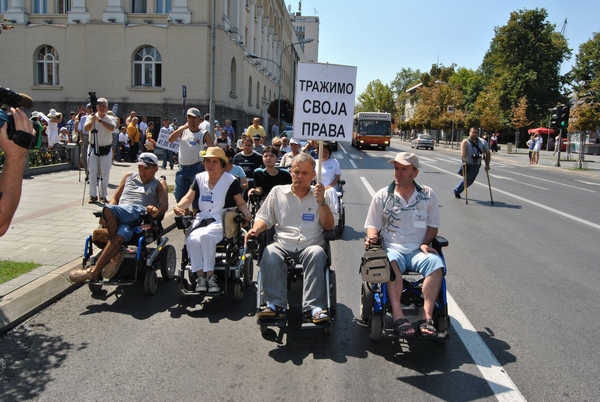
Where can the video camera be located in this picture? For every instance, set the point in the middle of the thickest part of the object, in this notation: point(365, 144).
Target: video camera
point(93, 100)
point(8, 99)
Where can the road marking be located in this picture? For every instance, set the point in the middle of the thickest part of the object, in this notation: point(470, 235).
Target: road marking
point(343, 149)
point(565, 185)
point(492, 371)
point(515, 180)
point(590, 183)
point(534, 203)
point(355, 156)
point(353, 164)
point(500, 383)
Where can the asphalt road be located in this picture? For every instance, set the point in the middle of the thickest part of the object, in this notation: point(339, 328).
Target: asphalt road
point(523, 271)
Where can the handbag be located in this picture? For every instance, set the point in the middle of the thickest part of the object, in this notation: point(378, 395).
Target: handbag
point(375, 266)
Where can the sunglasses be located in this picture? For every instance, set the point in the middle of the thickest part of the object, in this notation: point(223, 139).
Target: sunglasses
point(147, 159)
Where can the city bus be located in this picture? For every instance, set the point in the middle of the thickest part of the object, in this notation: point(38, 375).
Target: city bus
point(372, 129)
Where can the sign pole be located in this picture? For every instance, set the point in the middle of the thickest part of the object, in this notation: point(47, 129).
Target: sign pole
point(320, 161)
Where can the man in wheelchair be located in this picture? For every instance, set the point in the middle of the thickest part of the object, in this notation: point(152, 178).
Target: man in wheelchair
point(137, 194)
point(406, 215)
point(300, 213)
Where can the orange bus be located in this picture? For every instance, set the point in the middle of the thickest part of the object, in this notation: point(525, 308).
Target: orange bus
point(372, 129)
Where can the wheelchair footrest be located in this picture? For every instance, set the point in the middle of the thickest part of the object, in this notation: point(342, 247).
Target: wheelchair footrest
point(273, 322)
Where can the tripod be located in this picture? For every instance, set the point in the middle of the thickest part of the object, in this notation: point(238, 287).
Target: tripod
point(99, 178)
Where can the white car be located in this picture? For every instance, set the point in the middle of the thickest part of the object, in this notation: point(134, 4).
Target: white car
point(422, 141)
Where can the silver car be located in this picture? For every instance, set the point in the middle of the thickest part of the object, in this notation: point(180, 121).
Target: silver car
point(422, 141)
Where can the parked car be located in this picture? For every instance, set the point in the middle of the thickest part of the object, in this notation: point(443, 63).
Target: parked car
point(422, 141)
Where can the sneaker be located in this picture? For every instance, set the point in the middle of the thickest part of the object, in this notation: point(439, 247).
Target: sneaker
point(201, 284)
point(213, 286)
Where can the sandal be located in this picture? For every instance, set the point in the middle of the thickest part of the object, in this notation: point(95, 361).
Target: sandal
point(271, 312)
point(80, 275)
point(402, 327)
point(319, 316)
point(112, 267)
point(427, 325)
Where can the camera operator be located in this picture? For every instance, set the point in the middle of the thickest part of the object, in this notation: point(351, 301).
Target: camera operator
point(100, 126)
point(14, 163)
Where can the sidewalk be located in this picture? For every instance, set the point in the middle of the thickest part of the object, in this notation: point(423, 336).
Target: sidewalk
point(49, 228)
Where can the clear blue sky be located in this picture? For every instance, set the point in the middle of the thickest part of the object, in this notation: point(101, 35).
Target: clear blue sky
point(381, 37)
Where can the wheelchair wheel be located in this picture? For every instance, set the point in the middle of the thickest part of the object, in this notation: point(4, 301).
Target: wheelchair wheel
point(366, 302)
point(375, 327)
point(339, 228)
point(248, 269)
point(150, 282)
point(238, 291)
point(263, 328)
point(168, 261)
point(181, 285)
point(332, 290)
point(95, 288)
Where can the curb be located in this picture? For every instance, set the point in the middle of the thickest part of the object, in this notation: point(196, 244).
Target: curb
point(26, 301)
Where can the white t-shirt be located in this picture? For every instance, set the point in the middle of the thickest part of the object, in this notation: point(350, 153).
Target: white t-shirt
point(329, 169)
point(190, 146)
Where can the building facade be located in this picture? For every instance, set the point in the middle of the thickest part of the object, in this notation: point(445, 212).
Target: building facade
point(140, 54)
point(307, 27)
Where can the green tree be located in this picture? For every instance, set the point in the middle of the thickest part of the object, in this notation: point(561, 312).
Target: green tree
point(585, 75)
point(405, 79)
point(524, 59)
point(376, 97)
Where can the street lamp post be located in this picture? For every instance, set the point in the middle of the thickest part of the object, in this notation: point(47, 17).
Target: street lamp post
point(279, 67)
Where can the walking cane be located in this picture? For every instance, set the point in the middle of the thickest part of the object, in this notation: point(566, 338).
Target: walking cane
point(464, 169)
point(489, 186)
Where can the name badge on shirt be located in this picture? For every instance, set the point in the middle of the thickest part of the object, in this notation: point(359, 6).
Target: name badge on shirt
point(206, 198)
point(420, 224)
point(308, 217)
point(140, 189)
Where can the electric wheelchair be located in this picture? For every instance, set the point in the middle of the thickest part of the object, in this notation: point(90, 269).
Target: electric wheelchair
point(294, 274)
point(376, 309)
point(146, 252)
point(234, 264)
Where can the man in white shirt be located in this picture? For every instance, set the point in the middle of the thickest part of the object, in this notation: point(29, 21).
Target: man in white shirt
point(299, 212)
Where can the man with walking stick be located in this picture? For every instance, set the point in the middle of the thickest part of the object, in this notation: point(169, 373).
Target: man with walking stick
point(473, 150)
point(100, 127)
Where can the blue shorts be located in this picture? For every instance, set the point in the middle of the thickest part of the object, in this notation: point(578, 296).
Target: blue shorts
point(128, 217)
point(416, 261)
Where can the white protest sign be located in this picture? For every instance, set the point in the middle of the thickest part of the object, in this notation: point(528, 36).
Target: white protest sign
point(163, 142)
point(324, 105)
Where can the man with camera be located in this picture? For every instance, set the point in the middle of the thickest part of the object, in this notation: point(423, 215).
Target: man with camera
point(100, 127)
point(473, 150)
point(14, 163)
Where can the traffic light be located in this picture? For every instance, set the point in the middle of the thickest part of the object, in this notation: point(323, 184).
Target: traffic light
point(556, 113)
point(563, 120)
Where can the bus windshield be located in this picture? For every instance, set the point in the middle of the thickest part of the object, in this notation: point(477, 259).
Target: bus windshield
point(375, 127)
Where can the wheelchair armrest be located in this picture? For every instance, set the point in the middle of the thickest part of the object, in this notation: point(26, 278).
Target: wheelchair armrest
point(183, 221)
point(329, 235)
point(98, 214)
point(439, 242)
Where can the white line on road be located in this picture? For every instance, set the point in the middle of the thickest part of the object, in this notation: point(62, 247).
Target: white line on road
point(342, 148)
point(590, 183)
point(561, 184)
point(491, 370)
point(353, 164)
point(534, 203)
point(515, 180)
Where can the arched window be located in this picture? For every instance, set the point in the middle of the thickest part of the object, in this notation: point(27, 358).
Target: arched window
point(232, 77)
point(46, 66)
point(250, 91)
point(147, 67)
point(257, 95)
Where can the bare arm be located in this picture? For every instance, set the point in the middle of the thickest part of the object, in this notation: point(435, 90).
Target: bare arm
point(184, 203)
point(11, 179)
point(325, 215)
point(117, 195)
point(163, 202)
point(429, 236)
point(177, 133)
